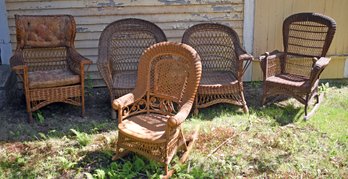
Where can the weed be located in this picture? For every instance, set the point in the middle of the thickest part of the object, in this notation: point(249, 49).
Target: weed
point(39, 116)
point(81, 137)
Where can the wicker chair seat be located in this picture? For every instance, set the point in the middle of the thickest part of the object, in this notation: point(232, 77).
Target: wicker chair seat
point(217, 78)
point(290, 80)
point(124, 80)
point(145, 127)
point(52, 78)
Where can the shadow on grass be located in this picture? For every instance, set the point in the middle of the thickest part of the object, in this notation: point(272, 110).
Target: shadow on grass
point(216, 111)
point(56, 119)
point(95, 160)
point(282, 114)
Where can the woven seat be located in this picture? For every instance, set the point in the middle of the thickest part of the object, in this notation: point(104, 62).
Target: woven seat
point(147, 127)
point(47, 62)
point(150, 117)
point(120, 47)
point(224, 62)
point(290, 80)
point(295, 72)
point(52, 78)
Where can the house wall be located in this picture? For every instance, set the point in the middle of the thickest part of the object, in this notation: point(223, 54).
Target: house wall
point(269, 16)
point(5, 45)
point(92, 17)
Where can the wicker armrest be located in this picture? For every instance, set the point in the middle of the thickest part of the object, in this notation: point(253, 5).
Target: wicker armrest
point(245, 57)
point(125, 100)
point(271, 55)
point(105, 72)
point(270, 63)
point(17, 60)
point(76, 61)
point(318, 67)
point(180, 117)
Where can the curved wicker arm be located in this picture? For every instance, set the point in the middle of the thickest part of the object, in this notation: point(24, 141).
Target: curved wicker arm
point(105, 72)
point(318, 67)
point(16, 59)
point(271, 63)
point(180, 117)
point(122, 102)
point(76, 61)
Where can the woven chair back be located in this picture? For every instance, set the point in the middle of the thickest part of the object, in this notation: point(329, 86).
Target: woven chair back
point(216, 45)
point(122, 42)
point(306, 35)
point(169, 73)
point(44, 40)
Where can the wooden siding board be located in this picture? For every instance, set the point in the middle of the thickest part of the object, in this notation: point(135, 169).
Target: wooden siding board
point(91, 17)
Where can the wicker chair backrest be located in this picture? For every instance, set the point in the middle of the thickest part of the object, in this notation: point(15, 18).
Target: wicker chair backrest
point(216, 44)
point(308, 34)
point(44, 39)
point(169, 74)
point(122, 42)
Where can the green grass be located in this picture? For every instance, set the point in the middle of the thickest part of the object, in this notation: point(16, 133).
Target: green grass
point(273, 141)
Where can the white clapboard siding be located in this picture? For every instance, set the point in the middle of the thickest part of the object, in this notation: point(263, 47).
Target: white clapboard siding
point(91, 17)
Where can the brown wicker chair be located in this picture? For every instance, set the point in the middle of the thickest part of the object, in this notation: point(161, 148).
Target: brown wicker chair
point(295, 72)
point(120, 47)
point(224, 62)
point(150, 117)
point(47, 62)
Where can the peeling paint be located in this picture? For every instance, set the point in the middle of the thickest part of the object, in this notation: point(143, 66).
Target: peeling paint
point(222, 8)
point(110, 3)
point(171, 2)
point(81, 29)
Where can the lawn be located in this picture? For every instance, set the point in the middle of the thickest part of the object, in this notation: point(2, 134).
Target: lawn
point(272, 141)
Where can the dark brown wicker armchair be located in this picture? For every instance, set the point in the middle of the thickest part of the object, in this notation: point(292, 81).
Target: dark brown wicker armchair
point(224, 62)
point(120, 47)
point(150, 117)
point(295, 72)
point(47, 62)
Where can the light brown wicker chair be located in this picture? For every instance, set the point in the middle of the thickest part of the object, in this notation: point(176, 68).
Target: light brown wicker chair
point(295, 72)
point(47, 62)
point(224, 62)
point(150, 117)
point(120, 47)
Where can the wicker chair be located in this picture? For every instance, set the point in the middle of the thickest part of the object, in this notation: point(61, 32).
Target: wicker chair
point(120, 47)
point(295, 72)
point(47, 62)
point(150, 117)
point(224, 62)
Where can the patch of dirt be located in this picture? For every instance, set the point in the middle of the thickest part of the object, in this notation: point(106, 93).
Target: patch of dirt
point(59, 118)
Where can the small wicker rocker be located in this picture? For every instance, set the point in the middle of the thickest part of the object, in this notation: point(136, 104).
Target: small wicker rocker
point(120, 47)
point(295, 72)
point(224, 62)
point(46, 61)
point(150, 117)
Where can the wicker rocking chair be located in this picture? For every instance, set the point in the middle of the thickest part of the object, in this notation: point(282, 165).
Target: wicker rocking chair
point(150, 117)
point(224, 62)
point(120, 47)
point(47, 62)
point(295, 72)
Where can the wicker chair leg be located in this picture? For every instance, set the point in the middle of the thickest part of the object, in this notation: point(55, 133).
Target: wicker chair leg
point(113, 114)
point(316, 106)
point(245, 108)
point(195, 112)
point(120, 154)
point(82, 106)
point(30, 117)
point(263, 100)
